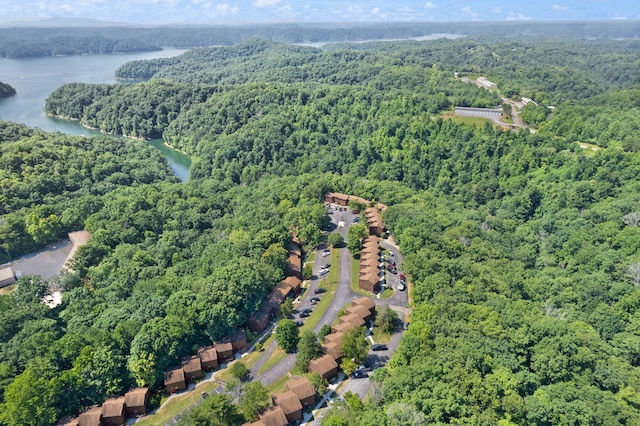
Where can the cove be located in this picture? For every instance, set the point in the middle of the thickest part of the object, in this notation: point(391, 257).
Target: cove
point(35, 78)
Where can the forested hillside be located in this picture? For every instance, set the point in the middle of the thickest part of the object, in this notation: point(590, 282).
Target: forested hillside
point(50, 183)
point(522, 248)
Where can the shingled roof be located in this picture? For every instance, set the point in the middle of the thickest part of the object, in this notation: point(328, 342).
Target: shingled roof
point(288, 401)
point(274, 417)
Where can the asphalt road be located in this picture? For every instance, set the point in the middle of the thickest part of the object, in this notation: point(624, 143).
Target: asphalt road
point(343, 296)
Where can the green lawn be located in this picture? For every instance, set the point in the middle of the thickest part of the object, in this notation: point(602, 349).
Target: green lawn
point(330, 282)
point(472, 121)
point(177, 405)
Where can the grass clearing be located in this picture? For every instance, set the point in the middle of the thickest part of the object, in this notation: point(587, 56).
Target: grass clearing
point(278, 385)
point(177, 405)
point(379, 336)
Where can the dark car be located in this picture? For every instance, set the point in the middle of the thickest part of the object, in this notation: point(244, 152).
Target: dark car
point(359, 374)
point(315, 300)
point(320, 290)
point(379, 347)
point(299, 323)
point(304, 314)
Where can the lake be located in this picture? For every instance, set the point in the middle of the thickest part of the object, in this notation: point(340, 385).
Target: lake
point(35, 78)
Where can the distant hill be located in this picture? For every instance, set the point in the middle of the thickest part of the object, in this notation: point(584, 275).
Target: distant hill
point(6, 90)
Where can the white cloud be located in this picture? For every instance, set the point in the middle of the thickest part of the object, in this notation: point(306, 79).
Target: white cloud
point(497, 9)
point(559, 7)
point(227, 9)
point(468, 12)
point(266, 3)
point(375, 10)
point(517, 17)
point(430, 5)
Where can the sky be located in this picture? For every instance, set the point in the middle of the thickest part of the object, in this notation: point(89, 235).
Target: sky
point(266, 11)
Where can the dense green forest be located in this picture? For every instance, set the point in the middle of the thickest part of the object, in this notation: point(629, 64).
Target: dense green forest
point(522, 248)
point(50, 183)
point(6, 90)
point(42, 41)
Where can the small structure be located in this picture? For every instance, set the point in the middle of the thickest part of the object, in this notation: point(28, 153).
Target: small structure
point(91, 417)
point(136, 401)
point(326, 366)
point(274, 416)
point(192, 367)
point(238, 339)
point(484, 82)
point(303, 389)
point(174, 380)
point(208, 358)
point(7, 277)
point(113, 412)
point(225, 350)
point(290, 404)
point(478, 112)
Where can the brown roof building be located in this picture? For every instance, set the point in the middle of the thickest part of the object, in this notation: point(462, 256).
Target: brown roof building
point(238, 339)
point(208, 358)
point(333, 337)
point(326, 366)
point(174, 380)
point(91, 417)
point(274, 416)
point(343, 327)
point(290, 404)
point(113, 412)
point(136, 401)
point(352, 318)
point(293, 283)
point(258, 322)
point(225, 350)
point(303, 389)
point(366, 302)
point(192, 367)
point(336, 198)
point(359, 310)
point(7, 277)
point(332, 349)
point(369, 282)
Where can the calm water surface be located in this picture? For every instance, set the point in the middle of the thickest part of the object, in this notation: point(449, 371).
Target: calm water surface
point(35, 78)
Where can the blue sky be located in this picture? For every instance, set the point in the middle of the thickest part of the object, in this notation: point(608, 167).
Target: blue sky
point(211, 11)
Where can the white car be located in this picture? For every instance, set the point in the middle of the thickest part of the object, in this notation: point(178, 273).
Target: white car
point(326, 253)
point(323, 271)
point(401, 286)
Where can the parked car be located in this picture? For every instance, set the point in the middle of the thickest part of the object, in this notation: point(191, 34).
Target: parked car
point(315, 300)
point(299, 323)
point(356, 212)
point(401, 286)
point(390, 253)
point(379, 347)
point(323, 271)
point(326, 265)
point(403, 279)
point(320, 290)
point(326, 253)
point(355, 219)
point(304, 314)
point(359, 374)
